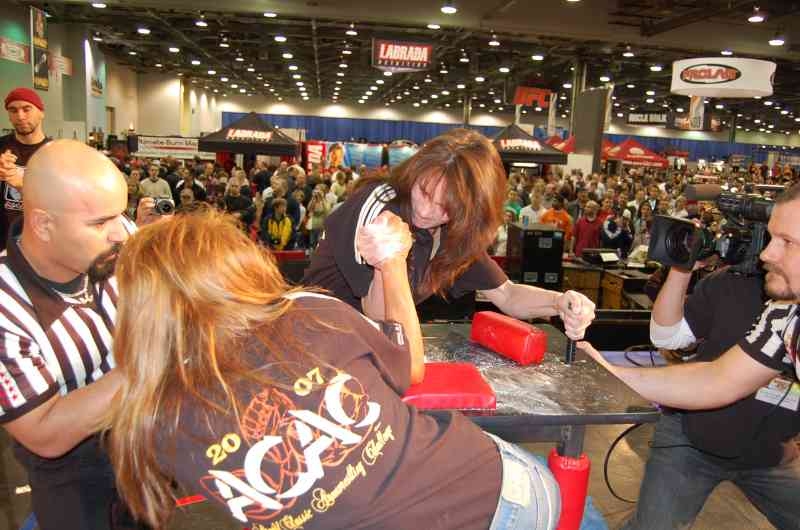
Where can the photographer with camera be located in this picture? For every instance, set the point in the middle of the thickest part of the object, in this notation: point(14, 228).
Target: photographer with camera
point(749, 417)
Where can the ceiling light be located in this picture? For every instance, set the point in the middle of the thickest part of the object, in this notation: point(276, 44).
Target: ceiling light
point(719, 106)
point(266, 84)
point(159, 65)
point(756, 97)
point(537, 57)
point(234, 85)
point(756, 120)
point(424, 101)
point(287, 55)
point(482, 105)
point(679, 109)
point(387, 73)
point(368, 92)
point(448, 8)
point(195, 62)
point(628, 52)
point(351, 31)
point(97, 38)
point(340, 74)
point(726, 52)
point(174, 49)
point(240, 59)
point(212, 72)
point(99, 5)
point(428, 80)
point(480, 79)
point(131, 52)
point(567, 85)
point(379, 82)
point(342, 65)
point(297, 76)
point(777, 40)
point(251, 69)
point(768, 103)
point(338, 82)
point(242, 90)
point(616, 104)
point(651, 93)
point(461, 86)
point(292, 67)
point(223, 79)
point(347, 51)
point(604, 79)
point(784, 112)
point(270, 14)
point(656, 68)
point(537, 109)
point(143, 31)
point(463, 59)
point(373, 88)
point(649, 100)
point(630, 85)
point(756, 16)
point(494, 41)
point(201, 22)
point(445, 92)
point(300, 83)
point(498, 101)
point(224, 44)
point(416, 104)
point(620, 115)
point(415, 87)
point(280, 38)
point(216, 91)
point(504, 69)
point(434, 26)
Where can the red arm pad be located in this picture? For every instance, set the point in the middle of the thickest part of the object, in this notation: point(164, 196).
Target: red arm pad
point(451, 386)
point(509, 337)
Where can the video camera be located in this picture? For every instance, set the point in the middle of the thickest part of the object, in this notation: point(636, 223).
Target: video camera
point(677, 242)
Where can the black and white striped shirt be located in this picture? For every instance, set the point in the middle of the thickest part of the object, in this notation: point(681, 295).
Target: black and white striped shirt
point(49, 343)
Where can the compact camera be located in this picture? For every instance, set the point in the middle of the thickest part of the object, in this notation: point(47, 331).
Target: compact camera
point(163, 206)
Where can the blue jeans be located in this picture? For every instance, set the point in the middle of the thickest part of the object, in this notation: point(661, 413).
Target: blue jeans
point(678, 481)
point(529, 496)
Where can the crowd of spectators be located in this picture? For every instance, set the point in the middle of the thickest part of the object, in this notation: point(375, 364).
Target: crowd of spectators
point(617, 211)
point(281, 206)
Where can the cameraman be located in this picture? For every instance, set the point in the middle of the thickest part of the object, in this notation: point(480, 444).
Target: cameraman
point(743, 442)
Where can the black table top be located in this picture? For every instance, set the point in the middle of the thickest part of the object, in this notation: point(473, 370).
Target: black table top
point(551, 393)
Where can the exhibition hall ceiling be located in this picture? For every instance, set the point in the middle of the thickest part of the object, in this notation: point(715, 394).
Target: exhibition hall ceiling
point(323, 50)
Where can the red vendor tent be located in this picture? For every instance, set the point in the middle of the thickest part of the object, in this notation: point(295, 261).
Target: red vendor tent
point(568, 146)
point(633, 153)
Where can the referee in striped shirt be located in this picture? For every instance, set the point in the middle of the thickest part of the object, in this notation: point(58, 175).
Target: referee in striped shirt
point(57, 310)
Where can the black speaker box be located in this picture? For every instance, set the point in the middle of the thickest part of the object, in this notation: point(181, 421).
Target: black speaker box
point(534, 254)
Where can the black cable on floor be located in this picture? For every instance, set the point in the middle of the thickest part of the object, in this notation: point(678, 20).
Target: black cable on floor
point(619, 438)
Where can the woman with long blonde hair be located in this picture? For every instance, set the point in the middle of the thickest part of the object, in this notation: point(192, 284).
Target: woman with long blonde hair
point(283, 407)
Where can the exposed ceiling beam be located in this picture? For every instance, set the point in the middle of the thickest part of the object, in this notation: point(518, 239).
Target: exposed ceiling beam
point(705, 12)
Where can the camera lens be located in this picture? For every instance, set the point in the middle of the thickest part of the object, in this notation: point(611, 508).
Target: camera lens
point(164, 207)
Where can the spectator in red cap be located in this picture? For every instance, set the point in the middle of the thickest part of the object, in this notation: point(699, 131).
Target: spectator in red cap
point(25, 112)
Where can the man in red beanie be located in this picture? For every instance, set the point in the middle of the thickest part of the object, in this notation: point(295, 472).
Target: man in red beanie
point(25, 112)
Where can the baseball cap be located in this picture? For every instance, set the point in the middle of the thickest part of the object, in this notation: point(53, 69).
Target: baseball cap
point(24, 94)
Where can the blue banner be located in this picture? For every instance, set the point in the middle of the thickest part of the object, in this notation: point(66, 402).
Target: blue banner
point(398, 155)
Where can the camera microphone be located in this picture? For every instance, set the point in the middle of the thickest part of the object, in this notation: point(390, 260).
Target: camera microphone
point(702, 192)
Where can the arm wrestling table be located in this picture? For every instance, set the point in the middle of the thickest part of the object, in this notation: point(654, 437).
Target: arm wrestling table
point(551, 401)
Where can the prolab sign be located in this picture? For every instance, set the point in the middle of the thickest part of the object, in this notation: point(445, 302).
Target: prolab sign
point(710, 74)
point(248, 134)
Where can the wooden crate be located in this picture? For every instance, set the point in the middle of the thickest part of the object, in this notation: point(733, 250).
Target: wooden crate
point(578, 278)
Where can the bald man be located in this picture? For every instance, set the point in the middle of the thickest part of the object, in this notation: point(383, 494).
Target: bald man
point(57, 309)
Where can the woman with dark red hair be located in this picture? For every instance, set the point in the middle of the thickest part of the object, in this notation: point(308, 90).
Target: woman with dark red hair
point(451, 194)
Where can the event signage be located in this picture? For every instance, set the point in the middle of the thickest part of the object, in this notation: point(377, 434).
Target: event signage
point(12, 50)
point(163, 146)
point(41, 71)
point(658, 118)
point(722, 78)
point(249, 135)
point(531, 96)
point(519, 144)
point(401, 56)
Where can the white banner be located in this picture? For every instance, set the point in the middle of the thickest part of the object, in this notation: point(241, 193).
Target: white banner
point(722, 77)
point(163, 146)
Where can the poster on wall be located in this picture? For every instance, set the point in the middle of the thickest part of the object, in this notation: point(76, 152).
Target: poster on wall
point(336, 156)
point(398, 155)
point(314, 154)
point(41, 71)
point(11, 50)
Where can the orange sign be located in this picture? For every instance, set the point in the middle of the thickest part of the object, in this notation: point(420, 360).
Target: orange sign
point(530, 96)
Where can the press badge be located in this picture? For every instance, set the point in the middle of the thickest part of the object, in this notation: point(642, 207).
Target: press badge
point(775, 390)
point(516, 483)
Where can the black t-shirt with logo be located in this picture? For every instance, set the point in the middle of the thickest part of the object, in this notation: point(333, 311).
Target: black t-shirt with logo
point(750, 432)
point(11, 196)
point(328, 443)
point(337, 266)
